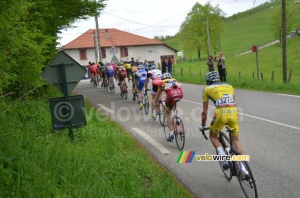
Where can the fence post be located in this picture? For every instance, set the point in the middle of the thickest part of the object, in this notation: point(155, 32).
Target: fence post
point(261, 76)
point(181, 71)
point(272, 76)
point(253, 75)
point(239, 74)
point(200, 72)
point(290, 75)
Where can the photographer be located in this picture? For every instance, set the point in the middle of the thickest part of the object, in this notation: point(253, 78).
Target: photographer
point(220, 59)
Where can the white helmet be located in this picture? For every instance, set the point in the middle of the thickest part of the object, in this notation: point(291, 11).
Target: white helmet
point(166, 75)
point(141, 67)
point(212, 76)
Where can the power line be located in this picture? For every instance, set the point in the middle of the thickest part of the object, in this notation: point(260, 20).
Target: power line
point(147, 25)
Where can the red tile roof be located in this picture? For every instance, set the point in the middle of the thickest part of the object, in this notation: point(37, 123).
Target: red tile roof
point(111, 37)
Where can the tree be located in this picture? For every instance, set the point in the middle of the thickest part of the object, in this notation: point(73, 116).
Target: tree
point(193, 31)
point(29, 38)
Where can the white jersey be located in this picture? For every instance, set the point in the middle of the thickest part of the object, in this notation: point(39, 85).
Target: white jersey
point(155, 74)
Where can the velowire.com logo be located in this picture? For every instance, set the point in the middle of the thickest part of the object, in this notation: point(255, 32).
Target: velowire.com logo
point(188, 156)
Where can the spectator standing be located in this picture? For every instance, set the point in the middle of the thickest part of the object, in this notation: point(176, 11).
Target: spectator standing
point(146, 65)
point(210, 64)
point(163, 66)
point(170, 66)
point(221, 66)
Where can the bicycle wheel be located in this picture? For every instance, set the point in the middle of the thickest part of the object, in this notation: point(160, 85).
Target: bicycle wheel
point(247, 183)
point(162, 114)
point(106, 84)
point(146, 104)
point(126, 93)
point(179, 132)
point(112, 90)
point(95, 82)
point(165, 126)
point(225, 143)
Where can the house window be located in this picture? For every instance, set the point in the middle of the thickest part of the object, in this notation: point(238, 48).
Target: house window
point(124, 51)
point(103, 53)
point(82, 54)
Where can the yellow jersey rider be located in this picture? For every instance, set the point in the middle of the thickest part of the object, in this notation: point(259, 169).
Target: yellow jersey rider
point(226, 113)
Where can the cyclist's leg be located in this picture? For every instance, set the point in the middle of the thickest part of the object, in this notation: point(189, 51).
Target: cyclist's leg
point(153, 106)
point(233, 125)
point(169, 104)
point(140, 86)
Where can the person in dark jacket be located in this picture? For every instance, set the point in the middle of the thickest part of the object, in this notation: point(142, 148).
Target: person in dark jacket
point(163, 66)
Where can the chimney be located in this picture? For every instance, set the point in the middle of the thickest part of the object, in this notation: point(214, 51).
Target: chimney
point(106, 33)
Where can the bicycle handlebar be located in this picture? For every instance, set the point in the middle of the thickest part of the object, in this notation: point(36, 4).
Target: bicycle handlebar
point(203, 132)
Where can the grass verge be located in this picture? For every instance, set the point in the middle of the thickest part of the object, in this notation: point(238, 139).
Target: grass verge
point(102, 161)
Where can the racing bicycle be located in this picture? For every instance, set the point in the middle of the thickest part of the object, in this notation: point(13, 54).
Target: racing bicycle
point(247, 182)
point(145, 101)
point(160, 111)
point(179, 133)
point(124, 91)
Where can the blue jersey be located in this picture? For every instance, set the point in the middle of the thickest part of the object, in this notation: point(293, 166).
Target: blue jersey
point(141, 74)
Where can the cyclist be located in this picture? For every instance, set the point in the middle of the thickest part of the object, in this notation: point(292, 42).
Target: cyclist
point(173, 91)
point(155, 75)
point(109, 71)
point(140, 77)
point(93, 70)
point(128, 69)
point(102, 73)
point(121, 76)
point(134, 69)
point(222, 95)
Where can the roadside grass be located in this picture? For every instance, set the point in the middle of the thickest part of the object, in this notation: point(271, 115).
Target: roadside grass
point(102, 161)
point(240, 70)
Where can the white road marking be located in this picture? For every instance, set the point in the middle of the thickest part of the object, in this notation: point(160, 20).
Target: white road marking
point(156, 144)
point(288, 95)
point(105, 108)
point(251, 116)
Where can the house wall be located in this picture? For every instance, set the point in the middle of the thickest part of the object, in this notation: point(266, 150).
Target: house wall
point(150, 53)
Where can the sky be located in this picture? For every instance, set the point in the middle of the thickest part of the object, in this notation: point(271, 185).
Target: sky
point(150, 18)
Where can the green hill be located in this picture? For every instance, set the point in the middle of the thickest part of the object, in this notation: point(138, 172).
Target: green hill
point(241, 31)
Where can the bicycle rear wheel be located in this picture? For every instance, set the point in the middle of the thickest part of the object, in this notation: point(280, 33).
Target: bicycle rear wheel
point(225, 143)
point(247, 183)
point(179, 132)
point(146, 104)
point(162, 114)
point(95, 83)
point(126, 93)
point(112, 87)
point(165, 126)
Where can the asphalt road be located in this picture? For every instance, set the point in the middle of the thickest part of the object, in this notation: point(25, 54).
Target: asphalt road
point(270, 134)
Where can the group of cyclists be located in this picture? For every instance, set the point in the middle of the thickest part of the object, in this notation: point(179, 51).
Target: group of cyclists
point(222, 95)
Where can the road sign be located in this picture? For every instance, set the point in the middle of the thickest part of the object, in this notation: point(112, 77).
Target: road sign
point(113, 50)
point(74, 72)
point(63, 113)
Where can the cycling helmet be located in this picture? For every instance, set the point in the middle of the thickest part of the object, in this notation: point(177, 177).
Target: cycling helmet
point(166, 75)
point(212, 76)
point(151, 67)
point(141, 67)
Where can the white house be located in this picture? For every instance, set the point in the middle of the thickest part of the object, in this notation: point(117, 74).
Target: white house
point(123, 45)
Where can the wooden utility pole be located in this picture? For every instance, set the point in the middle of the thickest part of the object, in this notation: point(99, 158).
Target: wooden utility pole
point(283, 44)
point(208, 37)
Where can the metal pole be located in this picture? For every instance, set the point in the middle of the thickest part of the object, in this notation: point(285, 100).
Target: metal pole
point(66, 96)
point(95, 44)
point(97, 39)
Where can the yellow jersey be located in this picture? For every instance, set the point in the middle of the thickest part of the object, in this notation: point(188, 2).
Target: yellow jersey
point(220, 93)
